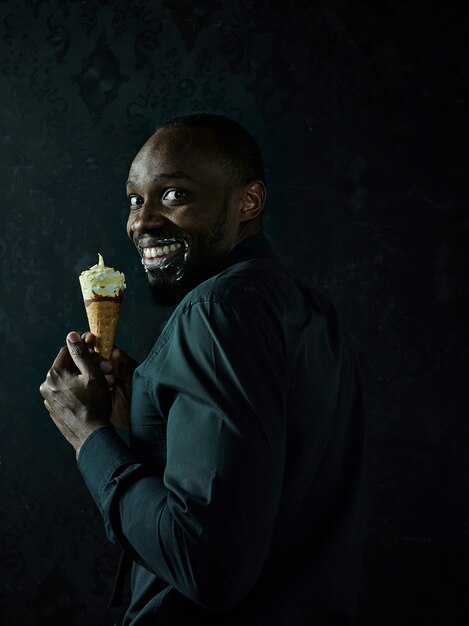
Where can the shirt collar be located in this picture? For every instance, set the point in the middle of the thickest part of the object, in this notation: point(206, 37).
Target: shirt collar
point(253, 247)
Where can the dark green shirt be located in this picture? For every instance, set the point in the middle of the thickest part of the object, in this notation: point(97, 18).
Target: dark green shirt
point(239, 499)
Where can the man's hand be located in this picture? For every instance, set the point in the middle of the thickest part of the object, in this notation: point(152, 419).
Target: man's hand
point(76, 392)
point(119, 371)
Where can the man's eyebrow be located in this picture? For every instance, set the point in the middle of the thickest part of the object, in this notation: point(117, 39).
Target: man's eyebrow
point(165, 176)
point(169, 175)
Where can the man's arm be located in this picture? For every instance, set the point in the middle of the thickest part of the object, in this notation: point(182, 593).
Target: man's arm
point(205, 524)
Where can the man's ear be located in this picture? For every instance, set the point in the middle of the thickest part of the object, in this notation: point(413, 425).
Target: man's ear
point(253, 201)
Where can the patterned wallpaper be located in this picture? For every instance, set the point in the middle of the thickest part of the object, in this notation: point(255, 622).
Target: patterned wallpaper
point(361, 112)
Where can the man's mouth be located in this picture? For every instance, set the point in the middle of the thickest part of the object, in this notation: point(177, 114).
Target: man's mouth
point(160, 254)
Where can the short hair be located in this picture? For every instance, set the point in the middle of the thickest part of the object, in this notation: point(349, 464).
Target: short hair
point(239, 149)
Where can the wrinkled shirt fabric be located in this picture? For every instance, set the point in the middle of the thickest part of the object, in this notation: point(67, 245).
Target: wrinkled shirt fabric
point(239, 498)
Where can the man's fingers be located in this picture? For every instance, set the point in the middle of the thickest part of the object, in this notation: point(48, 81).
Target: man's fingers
point(119, 356)
point(48, 385)
point(110, 379)
point(63, 360)
point(80, 354)
point(64, 429)
point(116, 354)
point(123, 364)
point(106, 367)
point(89, 339)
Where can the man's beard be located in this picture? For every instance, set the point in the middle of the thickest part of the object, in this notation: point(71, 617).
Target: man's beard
point(169, 291)
point(166, 292)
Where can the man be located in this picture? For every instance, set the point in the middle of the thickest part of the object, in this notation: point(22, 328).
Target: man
point(239, 498)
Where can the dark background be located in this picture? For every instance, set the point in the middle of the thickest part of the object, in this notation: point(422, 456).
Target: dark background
point(361, 111)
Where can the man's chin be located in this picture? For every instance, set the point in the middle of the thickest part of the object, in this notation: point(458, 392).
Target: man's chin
point(168, 289)
point(166, 293)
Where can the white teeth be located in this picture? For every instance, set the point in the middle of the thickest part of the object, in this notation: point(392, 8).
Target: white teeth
point(161, 251)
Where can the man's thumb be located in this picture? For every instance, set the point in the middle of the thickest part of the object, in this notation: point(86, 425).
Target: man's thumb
point(79, 353)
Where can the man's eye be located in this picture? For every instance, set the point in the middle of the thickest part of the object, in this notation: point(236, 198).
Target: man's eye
point(174, 194)
point(135, 201)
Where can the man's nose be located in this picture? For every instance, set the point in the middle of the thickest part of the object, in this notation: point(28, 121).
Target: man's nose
point(149, 217)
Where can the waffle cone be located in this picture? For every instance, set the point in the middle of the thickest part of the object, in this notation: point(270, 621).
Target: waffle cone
point(103, 317)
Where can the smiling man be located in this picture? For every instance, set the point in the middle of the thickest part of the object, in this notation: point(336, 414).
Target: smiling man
point(208, 199)
point(239, 498)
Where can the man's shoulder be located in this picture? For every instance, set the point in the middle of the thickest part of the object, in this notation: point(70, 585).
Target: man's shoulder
point(255, 293)
point(263, 288)
point(244, 284)
point(240, 293)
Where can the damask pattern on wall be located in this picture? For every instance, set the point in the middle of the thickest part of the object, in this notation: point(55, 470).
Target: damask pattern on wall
point(358, 108)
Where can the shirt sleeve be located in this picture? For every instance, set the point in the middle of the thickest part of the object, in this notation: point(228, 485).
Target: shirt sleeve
point(205, 523)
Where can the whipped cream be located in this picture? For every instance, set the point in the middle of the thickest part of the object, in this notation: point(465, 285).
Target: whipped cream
point(102, 282)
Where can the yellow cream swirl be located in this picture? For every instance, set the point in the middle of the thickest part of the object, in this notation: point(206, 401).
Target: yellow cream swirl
point(102, 281)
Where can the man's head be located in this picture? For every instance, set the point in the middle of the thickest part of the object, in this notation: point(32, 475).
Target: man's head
point(196, 190)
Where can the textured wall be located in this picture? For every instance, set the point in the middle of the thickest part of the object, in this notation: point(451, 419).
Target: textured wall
point(361, 111)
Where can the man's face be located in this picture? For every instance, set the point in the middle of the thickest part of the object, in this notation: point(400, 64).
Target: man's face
point(182, 210)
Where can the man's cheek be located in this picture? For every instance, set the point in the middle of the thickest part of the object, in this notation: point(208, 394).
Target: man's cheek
point(128, 227)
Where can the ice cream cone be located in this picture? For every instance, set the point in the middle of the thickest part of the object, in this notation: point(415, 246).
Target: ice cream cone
point(103, 317)
point(102, 289)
